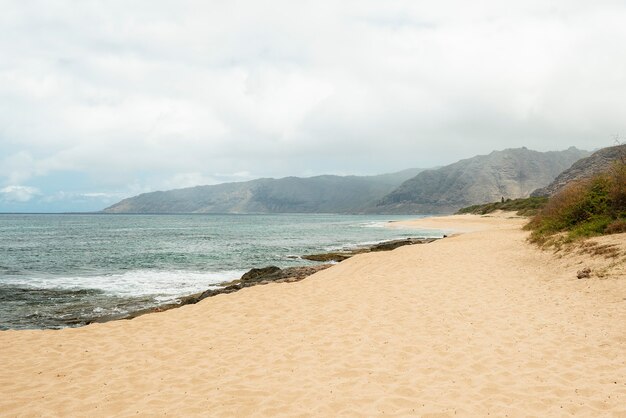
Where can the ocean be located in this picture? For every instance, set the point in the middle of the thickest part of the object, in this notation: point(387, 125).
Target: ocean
point(59, 270)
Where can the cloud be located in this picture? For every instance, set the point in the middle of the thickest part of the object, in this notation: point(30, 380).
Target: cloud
point(19, 193)
point(98, 195)
point(182, 180)
point(144, 95)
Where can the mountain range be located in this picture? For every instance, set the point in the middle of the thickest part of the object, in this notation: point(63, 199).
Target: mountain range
point(510, 173)
point(584, 168)
point(320, 194)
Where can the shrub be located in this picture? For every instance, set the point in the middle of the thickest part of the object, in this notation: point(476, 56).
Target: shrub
point(523, 207)
point(616, 227)
point(586, 208)
point(617, 192)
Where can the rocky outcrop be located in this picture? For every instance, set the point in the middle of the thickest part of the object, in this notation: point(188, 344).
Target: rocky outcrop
point(258, 276)
point(275, 274)
point(392, 245)
point(332, 256)
point(256, 273)
point(585, 168)
point(338, 256)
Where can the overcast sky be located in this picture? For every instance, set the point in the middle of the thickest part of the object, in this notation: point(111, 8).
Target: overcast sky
point(101, 100)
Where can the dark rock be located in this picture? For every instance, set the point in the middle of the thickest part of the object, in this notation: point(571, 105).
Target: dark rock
point(382, 246)
point(303, 272)
point(392, 245)
point(266, 275)
point(584, 273)
point(325, 257)
point(211, 292)
point(254, 274)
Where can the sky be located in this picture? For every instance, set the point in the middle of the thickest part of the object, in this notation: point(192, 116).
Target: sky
point(102, 100)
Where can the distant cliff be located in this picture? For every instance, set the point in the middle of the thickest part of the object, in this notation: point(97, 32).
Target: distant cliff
point(321, 194)
point(596, 163)
point(511, 173)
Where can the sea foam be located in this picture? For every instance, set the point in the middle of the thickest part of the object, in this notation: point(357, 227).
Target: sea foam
point(162, 284)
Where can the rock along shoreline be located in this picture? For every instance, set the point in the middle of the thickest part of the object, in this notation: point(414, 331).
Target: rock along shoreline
point(267, 275)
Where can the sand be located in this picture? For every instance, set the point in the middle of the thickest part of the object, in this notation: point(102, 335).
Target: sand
point(477, 324)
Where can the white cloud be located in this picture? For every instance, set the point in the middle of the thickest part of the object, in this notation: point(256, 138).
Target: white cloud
point(190, 179)
point(18, 193)
point(62, 196)
point(98, 195)
point(181, 180)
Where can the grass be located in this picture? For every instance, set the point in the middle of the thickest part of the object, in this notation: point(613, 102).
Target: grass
point(524, 207)
point(584, 209)
point(604, 250)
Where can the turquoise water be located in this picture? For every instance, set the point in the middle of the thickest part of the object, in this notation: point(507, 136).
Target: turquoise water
point(56, 270)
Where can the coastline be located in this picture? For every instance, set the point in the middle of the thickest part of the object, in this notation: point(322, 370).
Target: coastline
point(478, 323)
point(159, 261)
point(260, 276)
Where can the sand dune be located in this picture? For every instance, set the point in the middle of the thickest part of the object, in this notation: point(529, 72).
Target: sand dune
point(477, 324)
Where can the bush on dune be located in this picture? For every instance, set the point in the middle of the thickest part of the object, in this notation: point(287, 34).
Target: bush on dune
point(523, 207)
point(587, 208)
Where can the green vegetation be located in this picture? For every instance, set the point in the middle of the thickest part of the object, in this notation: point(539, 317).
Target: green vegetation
point(586, 208)
point(523, 207)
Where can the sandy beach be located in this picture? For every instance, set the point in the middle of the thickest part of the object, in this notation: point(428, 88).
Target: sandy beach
point(480, 323)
